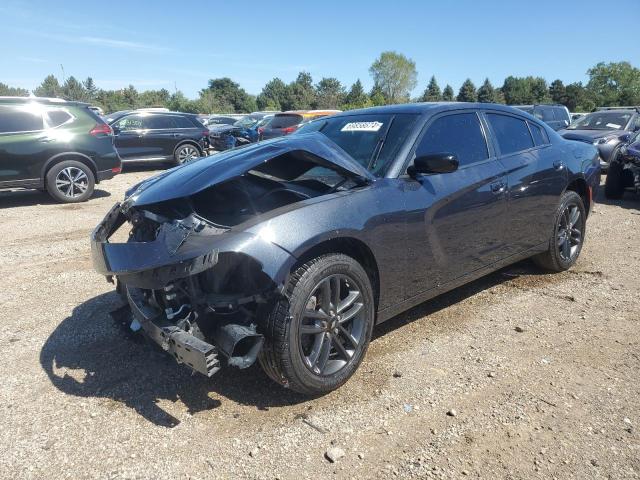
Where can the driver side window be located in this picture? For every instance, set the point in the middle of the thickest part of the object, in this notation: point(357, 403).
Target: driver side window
point(459, 134)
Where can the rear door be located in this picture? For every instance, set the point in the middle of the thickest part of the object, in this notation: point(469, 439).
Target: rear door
point(536, 177)
point(456, 220)
point(23, 144)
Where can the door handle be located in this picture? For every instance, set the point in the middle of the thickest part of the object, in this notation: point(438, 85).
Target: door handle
point(558, 164)
point(498, 187)
point(46, 139)
point(176, 135)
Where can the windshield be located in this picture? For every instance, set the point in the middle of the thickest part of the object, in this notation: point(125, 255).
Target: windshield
point(372, 140)
point(601, 121)
point(247, 122)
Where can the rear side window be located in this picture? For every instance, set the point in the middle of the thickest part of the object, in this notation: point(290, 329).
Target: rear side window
point(544, 113)
point(184, 122)
point(459, 134)
point(511, 133)
point(20, 119)
point(561, 114)
point(55, 118)
point(131, 122)
point(284, 121)
point(539, 135)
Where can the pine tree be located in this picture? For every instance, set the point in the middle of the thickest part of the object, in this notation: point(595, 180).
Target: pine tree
point(50, 87)
point(432, 92)
point(558, 92)
point(447, 94)
point(467, 92)
point(356, 98)
point(91, 88)
point(486, 93)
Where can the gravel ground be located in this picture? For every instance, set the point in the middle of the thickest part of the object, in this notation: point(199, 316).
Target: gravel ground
point(518, 375)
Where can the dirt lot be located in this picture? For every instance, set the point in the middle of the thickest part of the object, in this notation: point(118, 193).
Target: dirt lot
point(518, 375)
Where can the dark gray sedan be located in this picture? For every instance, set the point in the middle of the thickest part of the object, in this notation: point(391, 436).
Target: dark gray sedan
point(291, 250)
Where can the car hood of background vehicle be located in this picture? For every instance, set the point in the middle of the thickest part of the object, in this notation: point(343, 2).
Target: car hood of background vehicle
point(195, 176)
point(589, 135)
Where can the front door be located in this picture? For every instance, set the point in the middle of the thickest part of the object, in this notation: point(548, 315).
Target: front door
point(456, 220)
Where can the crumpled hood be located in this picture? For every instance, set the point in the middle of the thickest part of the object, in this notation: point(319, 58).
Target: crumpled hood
point(589, 135)
point(195, 176)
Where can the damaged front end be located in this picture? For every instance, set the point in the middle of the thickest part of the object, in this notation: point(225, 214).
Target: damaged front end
point(198, 266)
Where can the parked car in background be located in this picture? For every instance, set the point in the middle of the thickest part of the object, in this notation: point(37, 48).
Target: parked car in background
point(287, 251)
point(242, 132)
point(160, 136)
point(556, 116)
point(97, 110)
point(607, 128)
point(56, 146)
point(229, 119)
point(576, 115)
point(624, 170)
point(286, 123)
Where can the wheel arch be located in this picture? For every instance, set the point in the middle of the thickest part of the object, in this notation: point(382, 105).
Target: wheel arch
point(579, 185)
point(352, 247)
point(61, 157)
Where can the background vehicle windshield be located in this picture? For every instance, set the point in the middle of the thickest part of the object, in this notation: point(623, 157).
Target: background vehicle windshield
point(247, 122)
point(601, 121)
point(372, 140)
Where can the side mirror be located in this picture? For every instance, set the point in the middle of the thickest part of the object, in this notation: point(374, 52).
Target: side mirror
point(434, 163)
point(116, 129)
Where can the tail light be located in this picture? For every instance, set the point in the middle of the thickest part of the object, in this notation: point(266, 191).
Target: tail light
point(117, 169)
point(260, 130)
point(288, 130)
point(101, 129)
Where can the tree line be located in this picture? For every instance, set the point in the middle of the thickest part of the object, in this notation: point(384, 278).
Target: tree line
point(394, 79)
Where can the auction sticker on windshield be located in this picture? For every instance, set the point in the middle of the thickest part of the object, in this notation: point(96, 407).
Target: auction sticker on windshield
point(361, 127)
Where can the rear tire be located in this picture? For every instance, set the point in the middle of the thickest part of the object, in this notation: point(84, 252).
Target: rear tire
point(614, 184)
point(312, 351)
point(569, 230)
point(70, 181)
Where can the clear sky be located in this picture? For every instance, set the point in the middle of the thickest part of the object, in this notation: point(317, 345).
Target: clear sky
point(156, 44)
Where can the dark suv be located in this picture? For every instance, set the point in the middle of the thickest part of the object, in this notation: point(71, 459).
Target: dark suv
point(608, 128)
point(160, 136)
point(53, 145)
point(556, 116)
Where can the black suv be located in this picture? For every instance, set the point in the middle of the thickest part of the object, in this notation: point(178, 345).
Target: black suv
point(160, 136)
point(556, 116)
point(53, 145)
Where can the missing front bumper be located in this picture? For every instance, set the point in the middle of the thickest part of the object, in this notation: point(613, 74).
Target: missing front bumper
point(184, 347)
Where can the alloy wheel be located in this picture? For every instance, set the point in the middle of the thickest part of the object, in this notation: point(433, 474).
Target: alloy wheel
point(332, 326)
point(72, 182)
point(569, 236)
point(187, 154)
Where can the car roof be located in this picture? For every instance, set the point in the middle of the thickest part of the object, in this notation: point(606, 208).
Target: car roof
point(540, 105)
point(430, 107)
point(43, 100)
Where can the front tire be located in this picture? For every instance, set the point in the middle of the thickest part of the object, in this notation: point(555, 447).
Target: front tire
point(186, 153)
point(569, 230)
point(70, 181)
point(317, 339)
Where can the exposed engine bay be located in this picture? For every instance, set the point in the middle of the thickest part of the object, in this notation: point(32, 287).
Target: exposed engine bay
point(192, 280)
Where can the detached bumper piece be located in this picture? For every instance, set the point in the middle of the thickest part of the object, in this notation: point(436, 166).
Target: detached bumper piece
point(184, 347)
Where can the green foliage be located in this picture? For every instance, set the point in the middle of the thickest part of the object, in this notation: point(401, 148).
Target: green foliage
point(300, 94)
point(432, 93)
point(330, 94)
point(273, 95)
point(356, 98)
point(154, 98)
point(615, 83)
point(395, 76)
point(558, 92)
point(72, 89)
point(525, 90)
point(447, 94)
point(486, 93)
point(90, 88)
point(467, 92)
point(50, 87)
point(229, 96)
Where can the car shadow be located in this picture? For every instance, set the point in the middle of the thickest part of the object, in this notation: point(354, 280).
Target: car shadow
point(630, 200)
point(92, 354)
point(29, 198)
